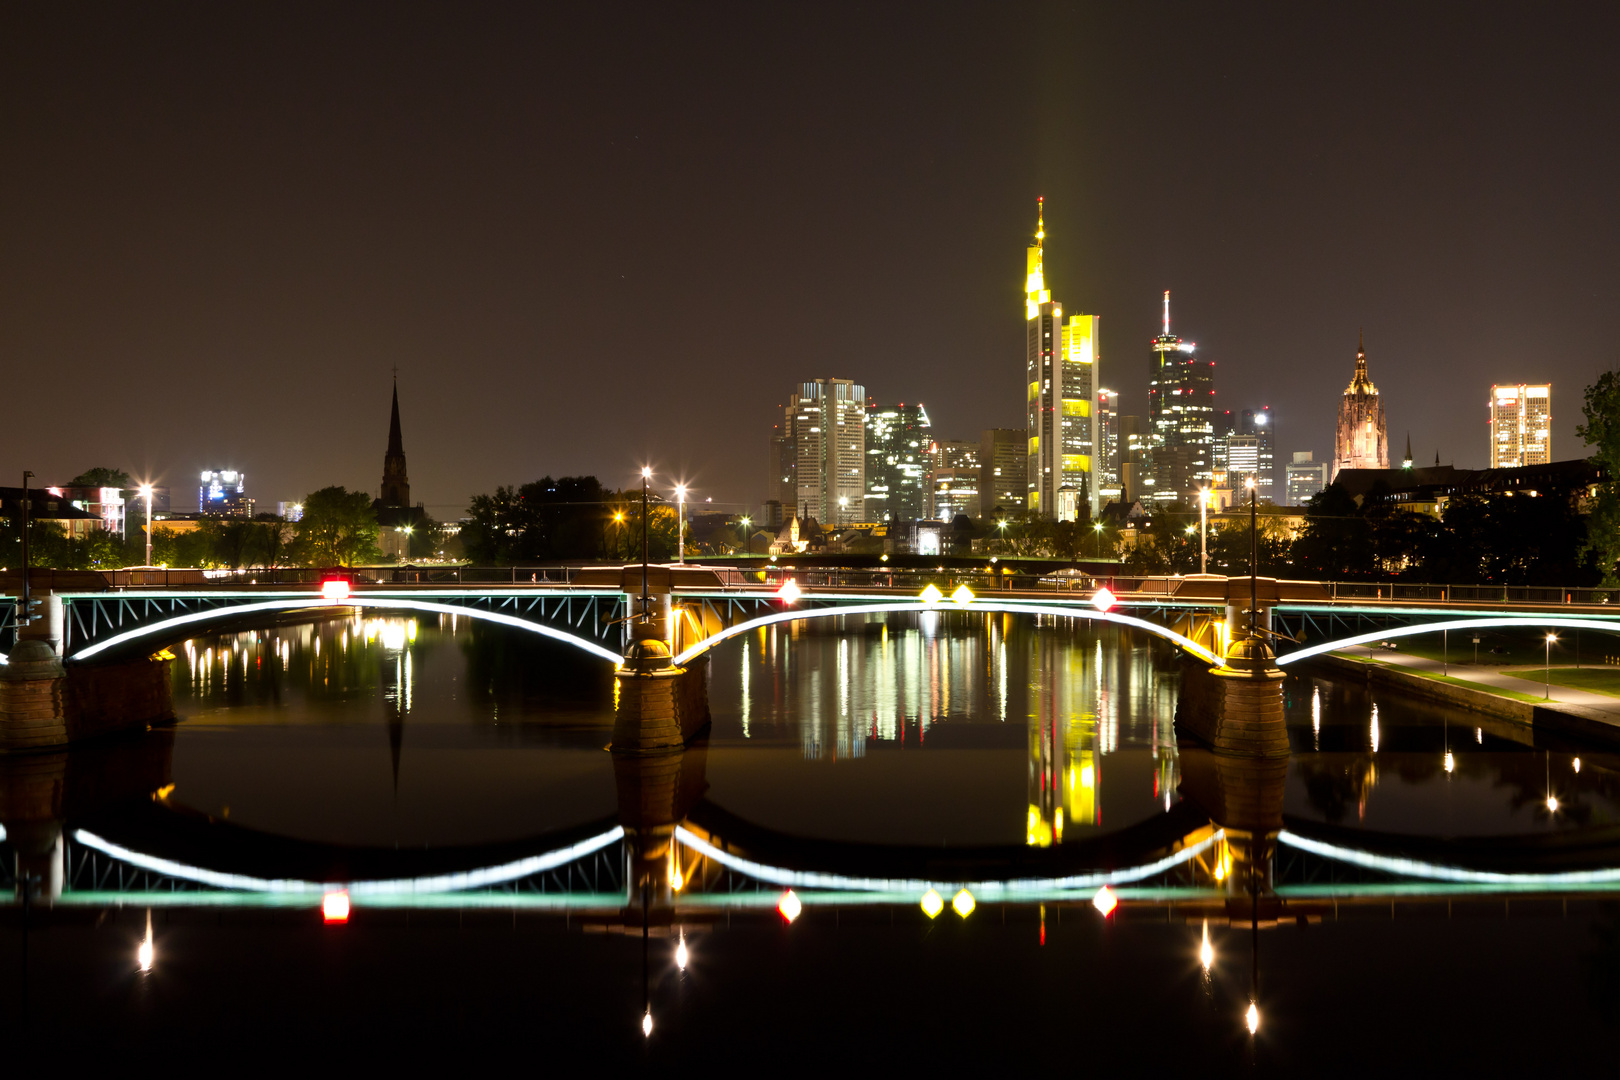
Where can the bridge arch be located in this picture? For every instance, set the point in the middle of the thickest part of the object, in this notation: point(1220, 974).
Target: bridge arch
point(1611, 626)
point(1076, 612)
point(164, 630)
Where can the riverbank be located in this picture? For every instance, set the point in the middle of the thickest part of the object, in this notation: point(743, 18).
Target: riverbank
point(1483, 690)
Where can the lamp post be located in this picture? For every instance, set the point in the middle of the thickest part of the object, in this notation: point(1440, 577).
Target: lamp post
point(843, 508)
point(680, 528)
point(24, 609)
point(406, 553)
point(1203, 530)
point(1002, 525)
point(748, 534)
point(646, 475)
point(1254, 561)
point(1547, 664)
point(1097, 528)
point(618, 533)
point(146, 493)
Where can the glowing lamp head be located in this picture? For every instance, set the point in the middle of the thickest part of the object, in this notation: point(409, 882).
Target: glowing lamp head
point(1105, 901)
point(335, 589)
point(646, 1024)
point(335, 907)
point(963, 903)
point(746, 522)
point(1248, 482)
point(143, 955)
point(1102, 599)
point(680, 492)
point(646, 474)
point(1252, 1018)
point(146, 491)
point(681, 955)
point(931, 595)
point(789, 592)
point(963, 595)
point(932, 903)
point(789, 906)
point(1552, 804)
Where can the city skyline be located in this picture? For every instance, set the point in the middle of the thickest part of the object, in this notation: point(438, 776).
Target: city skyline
point(246, 256)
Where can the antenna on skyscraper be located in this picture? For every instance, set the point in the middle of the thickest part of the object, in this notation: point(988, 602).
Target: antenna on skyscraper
point(1167, 313)
point(1040, 217)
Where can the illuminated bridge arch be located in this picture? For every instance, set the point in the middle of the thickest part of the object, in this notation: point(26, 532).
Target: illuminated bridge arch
point(1610, 626)
point(1075, 612)
point(150, 635)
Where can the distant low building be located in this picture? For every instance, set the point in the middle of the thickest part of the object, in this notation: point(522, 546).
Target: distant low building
point(1427, 490)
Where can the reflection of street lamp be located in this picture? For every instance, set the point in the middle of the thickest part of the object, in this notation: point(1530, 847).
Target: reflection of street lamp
point(680, 528)
point(1547, 664)
point(748, 535)
point(146, 493)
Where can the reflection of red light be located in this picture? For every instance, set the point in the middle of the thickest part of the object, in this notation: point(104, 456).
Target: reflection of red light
point(1105, 901)
point(335, 907)
point(335, 589)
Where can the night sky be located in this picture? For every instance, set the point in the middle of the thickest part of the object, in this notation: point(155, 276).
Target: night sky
point(594, 235)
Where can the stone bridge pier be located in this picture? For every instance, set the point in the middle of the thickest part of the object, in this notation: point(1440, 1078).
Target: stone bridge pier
point(45, 703)
point(1236, 708)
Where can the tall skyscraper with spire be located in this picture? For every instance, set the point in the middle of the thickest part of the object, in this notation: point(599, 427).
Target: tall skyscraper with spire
point(1360, 441)
point(1061, 365)
point(396, 484)
point(1181, 419)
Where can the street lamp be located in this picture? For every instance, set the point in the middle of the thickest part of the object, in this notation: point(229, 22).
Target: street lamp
point(146, 493)
point(1097, 527)
point(646, 475)
point(618, 538)
point(1254, 561)
point(406, 553)
point(843, 508)
point(1204, 495)
point(680, 528)
point(1547, 664)
point(748, 534)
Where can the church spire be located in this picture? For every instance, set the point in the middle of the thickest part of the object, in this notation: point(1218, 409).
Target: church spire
point(396, 484)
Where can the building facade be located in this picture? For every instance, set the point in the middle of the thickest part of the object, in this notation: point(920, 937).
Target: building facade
point(954, 467)
point(1003, 470)
point(1061, 365)
point(898, 438)
point(1108, 457)
point(1306, 477)
point(223, 493)
point(1360, 441)
point(1180, 456)
point(826, 419)
point(1521, 425)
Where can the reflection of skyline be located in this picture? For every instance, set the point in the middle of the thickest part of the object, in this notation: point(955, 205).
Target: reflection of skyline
point(953, 680)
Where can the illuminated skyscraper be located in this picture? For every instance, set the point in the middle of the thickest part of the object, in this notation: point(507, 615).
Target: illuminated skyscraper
point(1521, 425)
point(955, 473)
point(1003, 467)
point(1181, 419)
point(826, 419)
point(897, 442)
point(1061, 382)
point(1108, 456)
point(1360, 442)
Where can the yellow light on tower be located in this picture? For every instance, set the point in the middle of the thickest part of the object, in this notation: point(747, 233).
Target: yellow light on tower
point(932, 903)
point(963, 595)
point(963, 903)
point(931, 595)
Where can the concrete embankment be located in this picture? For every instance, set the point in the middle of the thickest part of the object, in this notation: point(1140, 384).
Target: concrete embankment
point(1560, 717)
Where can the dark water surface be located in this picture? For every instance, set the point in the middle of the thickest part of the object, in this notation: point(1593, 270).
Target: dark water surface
point(866, 750)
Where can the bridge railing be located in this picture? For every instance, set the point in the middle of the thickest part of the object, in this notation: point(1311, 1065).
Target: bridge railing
point(1471, 594)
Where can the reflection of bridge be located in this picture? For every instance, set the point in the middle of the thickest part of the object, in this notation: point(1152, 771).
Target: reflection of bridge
point(103, 826)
